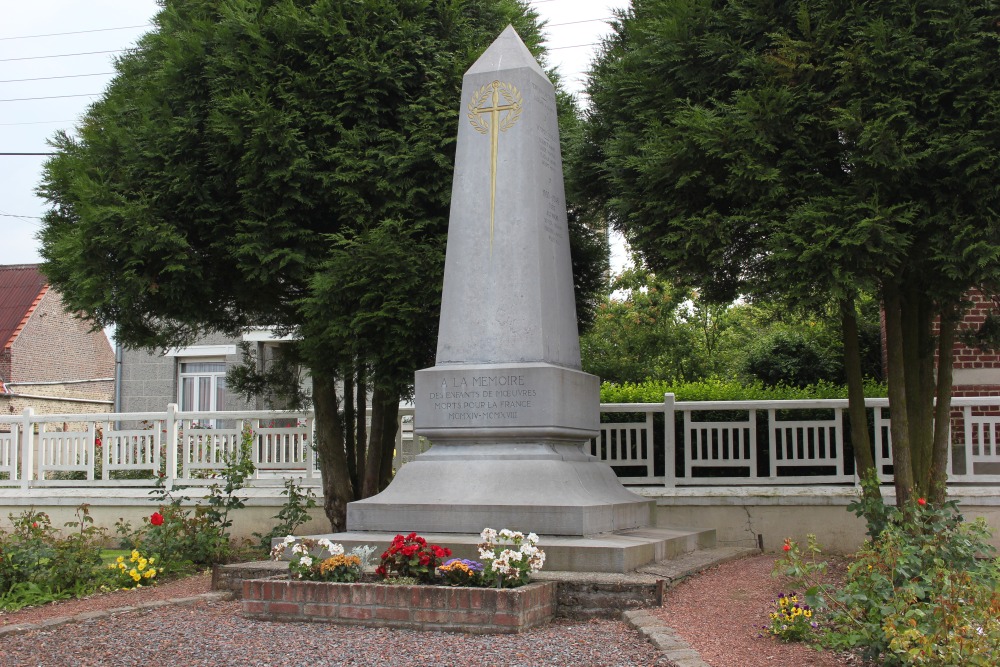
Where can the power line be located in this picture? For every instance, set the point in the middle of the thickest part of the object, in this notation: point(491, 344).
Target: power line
point(63, 55)
point(556, 25)
point(64, 76)
point(575, 46)
point(25, 217)
point(27, 153)
point(50, 97)
point(75, 32)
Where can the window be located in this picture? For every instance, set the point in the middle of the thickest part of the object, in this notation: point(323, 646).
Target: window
point(202, 385)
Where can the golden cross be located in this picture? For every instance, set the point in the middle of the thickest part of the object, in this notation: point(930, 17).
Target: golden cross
point(495, 125)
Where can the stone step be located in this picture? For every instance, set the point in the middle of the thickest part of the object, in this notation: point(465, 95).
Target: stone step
point(581, 595)
point(621, 552)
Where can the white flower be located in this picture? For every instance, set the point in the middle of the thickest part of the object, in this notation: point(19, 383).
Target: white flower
point(506, 534)
point(289, 540)
point(532, 538)
point(488, 535)
point(486, 554)
point(306, 561)
point(299, 549)
point(332, 548)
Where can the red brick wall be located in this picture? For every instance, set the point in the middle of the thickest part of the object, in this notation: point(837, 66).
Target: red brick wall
point(55, 346)
point(475, 610)
point(966, 357)
point(975, 372)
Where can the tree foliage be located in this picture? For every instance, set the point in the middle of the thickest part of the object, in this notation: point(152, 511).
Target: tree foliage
point(648, 328)
point(814, 149)
point(280, 163)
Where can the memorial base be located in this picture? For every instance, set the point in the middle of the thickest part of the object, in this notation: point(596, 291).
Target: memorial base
point(547, 489)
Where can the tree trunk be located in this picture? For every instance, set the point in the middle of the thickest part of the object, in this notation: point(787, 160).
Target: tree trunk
point(390, 422)
point(937, 485)
point(373, 464)
point(351, 445)
point(895, 362)
point(918, 319)
point(856, 410)
point(361, 425)
point(337, 489)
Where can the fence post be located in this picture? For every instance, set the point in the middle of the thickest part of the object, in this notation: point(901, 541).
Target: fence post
point(91, 446)
point(172, 428)
point(27, 449)
point(669, 442)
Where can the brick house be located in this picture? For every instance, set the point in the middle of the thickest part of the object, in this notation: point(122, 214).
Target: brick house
point(50, 360)
point(976, 372)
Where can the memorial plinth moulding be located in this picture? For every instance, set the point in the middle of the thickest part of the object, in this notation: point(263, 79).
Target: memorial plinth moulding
point(507, 407)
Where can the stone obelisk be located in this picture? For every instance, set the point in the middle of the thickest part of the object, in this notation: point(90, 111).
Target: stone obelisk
point(506, 406)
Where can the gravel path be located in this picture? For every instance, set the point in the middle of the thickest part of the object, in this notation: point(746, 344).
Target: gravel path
point(212, 633)
point(719, 613)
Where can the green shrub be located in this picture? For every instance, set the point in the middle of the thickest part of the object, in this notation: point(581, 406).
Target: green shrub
point(788, 357)
point(293, 513)
point(922, 591)
point(38, 566)
point(652, 391)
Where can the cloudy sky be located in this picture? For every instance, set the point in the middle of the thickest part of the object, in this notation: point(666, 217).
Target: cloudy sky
point(56, 58)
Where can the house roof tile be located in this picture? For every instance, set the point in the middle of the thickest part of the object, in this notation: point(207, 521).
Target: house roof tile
point(21, 287)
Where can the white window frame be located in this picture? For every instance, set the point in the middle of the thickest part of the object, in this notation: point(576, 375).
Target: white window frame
point(213, 376)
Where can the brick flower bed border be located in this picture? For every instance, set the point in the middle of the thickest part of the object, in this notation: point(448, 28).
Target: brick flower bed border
point(451, 609)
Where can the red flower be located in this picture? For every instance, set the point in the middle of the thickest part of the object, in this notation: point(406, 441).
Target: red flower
point(380, 571)
point(156, 519)
point(787, 547)
point(921, 501)
point(409, 550)
point(34, 524)
point(425, 559)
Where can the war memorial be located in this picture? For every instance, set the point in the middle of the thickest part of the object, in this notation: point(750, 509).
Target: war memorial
point(506, 406)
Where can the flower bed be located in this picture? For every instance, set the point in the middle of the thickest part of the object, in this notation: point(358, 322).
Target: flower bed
point(416, 588)
point(415, 607)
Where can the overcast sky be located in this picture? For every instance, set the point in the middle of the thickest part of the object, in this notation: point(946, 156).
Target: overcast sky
point(56, 58)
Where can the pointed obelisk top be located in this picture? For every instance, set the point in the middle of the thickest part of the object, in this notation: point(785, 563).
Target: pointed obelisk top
point(507, 52)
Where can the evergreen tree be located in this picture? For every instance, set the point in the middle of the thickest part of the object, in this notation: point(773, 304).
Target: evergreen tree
point(280, 163)
point(815, 149)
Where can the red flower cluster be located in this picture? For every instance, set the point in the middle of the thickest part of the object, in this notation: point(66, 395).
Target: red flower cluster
point(156, 519)
point(411, 556)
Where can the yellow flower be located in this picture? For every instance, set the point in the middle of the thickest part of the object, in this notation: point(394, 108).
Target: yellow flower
point(121, 566)
point(808, 613)
point(135, 555)
point(135, 575)
point(120, 559)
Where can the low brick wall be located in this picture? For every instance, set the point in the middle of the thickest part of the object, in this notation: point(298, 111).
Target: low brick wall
point(470, 610)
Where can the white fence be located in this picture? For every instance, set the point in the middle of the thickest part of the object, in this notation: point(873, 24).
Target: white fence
point(652, 444)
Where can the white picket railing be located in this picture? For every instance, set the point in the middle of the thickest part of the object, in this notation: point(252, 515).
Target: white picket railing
point(669, 444)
